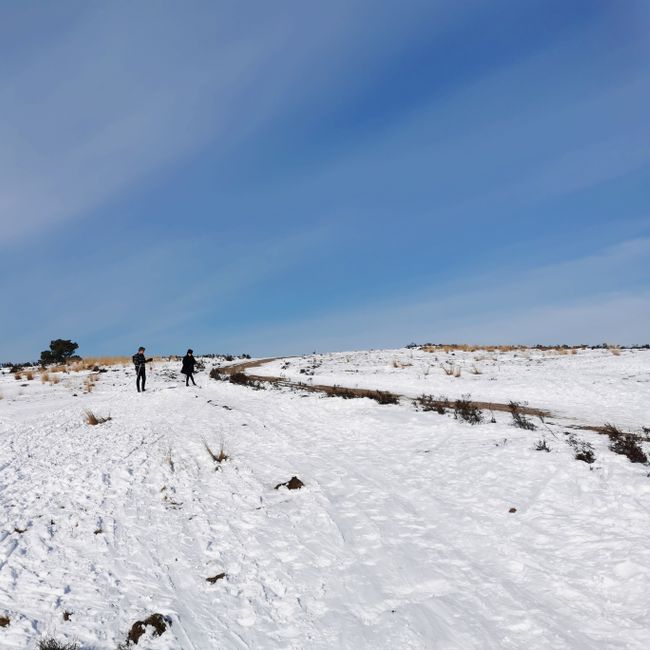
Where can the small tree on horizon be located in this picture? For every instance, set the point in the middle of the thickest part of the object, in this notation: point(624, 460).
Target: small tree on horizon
point(61, 351)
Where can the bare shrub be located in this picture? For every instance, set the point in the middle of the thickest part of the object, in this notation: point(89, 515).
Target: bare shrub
point(451, 370)
point(626, 444)
point(29, 375)
point(242, 379)
point(465, 410)
point(381, 397)
point(384, 397)
point(218, 374)
point(55, 379)
point(92, 419)
point(17, 376)
point(430, 403)
point(476, 371)
point(51, 643)
point(519, 419)
point(542, 445)
point(583, 450)
point(45, 377)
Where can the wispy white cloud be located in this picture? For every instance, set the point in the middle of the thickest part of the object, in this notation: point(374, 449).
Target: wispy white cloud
point(127, 89)
point(582, 300)
point(105, 105)
point(152, 293)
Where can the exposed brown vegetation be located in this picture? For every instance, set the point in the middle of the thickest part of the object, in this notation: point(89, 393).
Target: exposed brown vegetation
point(217, 458)
point(89, 383)
point(463, 347)
point(292, 484)
point(626, 444)
point(52, 644)
point(4, 621)
point(466, 410)
point(158, 622)
point(429, 403)
point(213, 579)
point(92, 419)
point(519, 417)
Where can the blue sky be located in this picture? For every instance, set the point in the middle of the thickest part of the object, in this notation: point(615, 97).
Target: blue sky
point(278, 178)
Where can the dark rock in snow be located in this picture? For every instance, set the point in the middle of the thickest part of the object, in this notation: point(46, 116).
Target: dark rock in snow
point(294, 484)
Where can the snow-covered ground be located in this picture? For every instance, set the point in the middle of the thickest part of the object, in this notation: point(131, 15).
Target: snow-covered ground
point(590, 386)
point(402, 536)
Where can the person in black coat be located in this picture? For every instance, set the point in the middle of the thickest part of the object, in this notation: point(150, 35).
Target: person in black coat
point(188, 367)
point(139, 362)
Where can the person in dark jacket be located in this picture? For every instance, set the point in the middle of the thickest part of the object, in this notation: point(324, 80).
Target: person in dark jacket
point(188, 367)
point(139, 362)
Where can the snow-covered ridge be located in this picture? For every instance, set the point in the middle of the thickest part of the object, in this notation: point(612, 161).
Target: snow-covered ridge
point(589, 386)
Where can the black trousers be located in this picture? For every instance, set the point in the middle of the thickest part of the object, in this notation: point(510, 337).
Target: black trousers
point(141, 378)
point(188, 376)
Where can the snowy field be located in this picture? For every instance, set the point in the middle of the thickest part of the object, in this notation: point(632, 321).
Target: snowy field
point(593, 386)
point(402, 536)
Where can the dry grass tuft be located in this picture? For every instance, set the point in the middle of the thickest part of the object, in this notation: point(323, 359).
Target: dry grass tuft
point(476, 371)
point(17, 376)
point(400, 364)
point(92, 419)
point(217, 458)
point(89, 383)
point(170, 461)
point(470, 348)
point(29, 375)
